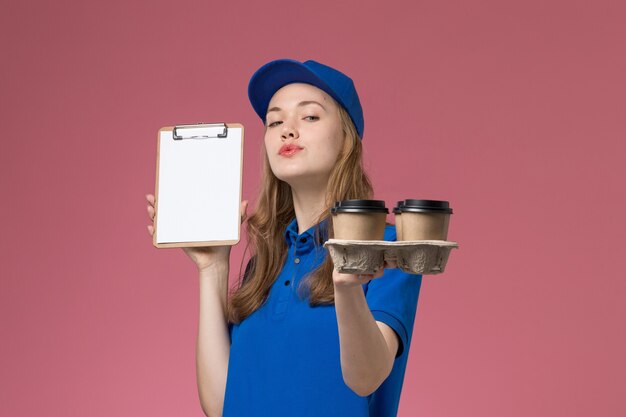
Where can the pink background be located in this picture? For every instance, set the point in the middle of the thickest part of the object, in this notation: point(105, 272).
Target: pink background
point(510, 110)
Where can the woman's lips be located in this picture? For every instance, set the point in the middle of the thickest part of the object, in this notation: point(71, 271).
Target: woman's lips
point(288, 150)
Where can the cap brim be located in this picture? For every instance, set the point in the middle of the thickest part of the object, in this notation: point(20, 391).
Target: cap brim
point(273, 76)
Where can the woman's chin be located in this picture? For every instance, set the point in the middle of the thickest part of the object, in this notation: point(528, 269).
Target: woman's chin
point(287, 171)
point(292, 180)
point(305, 181)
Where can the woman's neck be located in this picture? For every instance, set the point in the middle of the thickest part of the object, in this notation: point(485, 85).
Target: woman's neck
point(308, 203)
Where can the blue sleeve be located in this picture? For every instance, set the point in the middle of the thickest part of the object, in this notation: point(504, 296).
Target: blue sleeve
point(392, 299)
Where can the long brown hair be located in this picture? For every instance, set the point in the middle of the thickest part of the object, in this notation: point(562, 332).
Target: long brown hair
point(274, 211)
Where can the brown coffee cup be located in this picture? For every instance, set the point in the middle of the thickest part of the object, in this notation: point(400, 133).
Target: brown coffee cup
point(425, 219)
point(398, 216)
point(359, 219)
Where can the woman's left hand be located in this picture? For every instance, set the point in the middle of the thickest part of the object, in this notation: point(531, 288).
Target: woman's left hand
point(353, 280)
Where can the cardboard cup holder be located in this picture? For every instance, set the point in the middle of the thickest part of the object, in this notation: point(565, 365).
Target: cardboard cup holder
point(426, 257)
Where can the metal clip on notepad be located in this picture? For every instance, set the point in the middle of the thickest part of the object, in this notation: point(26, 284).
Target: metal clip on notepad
point(200, 131)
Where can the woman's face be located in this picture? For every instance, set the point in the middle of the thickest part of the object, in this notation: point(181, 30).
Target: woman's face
point(306, 119)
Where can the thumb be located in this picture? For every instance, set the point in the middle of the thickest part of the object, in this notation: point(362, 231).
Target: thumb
point(244, 208)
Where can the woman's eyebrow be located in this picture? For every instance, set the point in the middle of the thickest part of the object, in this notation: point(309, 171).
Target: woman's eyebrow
point(302, 103)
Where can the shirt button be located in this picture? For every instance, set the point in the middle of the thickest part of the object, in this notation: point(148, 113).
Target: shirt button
point(303, 239)
point(287, 282)
point(297, 260)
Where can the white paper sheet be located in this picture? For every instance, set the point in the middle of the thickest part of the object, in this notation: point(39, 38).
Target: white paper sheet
point(199, 188)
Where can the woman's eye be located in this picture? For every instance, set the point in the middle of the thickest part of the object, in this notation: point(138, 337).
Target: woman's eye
point(312, 118)
point(273, 123)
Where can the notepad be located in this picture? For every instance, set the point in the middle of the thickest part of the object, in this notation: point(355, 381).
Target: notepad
point(199, 185)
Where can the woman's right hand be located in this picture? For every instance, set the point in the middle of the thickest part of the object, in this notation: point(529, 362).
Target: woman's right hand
point(203, 256)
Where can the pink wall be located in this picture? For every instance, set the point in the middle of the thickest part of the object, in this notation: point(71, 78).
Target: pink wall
point(510, 110)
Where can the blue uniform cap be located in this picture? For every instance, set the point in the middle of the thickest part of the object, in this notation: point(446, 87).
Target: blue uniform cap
point(276, 74)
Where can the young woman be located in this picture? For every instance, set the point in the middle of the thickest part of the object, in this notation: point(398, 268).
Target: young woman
point(297, 338)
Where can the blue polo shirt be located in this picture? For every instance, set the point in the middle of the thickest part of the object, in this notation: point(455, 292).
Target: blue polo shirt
point(285, 358)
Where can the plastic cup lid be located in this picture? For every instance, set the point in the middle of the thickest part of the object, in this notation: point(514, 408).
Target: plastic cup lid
point(425, 206)
point(359, 206)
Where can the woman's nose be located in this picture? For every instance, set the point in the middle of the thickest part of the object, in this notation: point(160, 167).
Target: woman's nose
point(289, 132)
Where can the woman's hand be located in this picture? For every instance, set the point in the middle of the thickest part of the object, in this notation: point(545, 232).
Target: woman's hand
point(204, 256)
point(353, 280)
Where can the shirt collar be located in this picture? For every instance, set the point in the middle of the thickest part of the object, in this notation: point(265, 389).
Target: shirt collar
point(291, 233)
